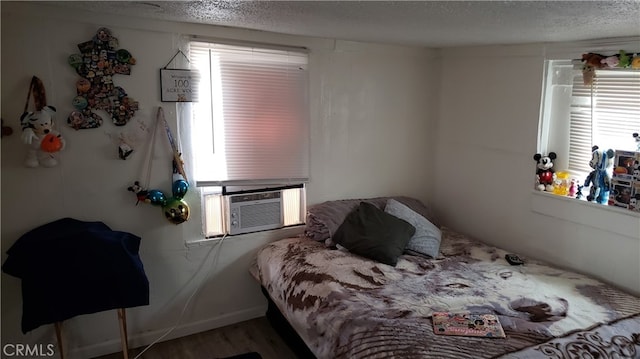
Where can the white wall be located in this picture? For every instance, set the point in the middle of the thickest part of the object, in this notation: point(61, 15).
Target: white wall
point(487, 136)
point(372, 109)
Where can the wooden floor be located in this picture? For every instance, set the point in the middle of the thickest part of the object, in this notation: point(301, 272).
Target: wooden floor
point(255, 335)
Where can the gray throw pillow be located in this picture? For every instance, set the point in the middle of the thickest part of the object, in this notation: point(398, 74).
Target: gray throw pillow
point(370, 232)
point(323, 219)
point(427, 237)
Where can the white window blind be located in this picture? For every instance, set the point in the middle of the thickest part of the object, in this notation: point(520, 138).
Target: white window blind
point(605, 113)
point(252, 120)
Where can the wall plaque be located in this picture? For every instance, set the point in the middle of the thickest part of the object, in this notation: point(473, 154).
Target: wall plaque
point(177, 85)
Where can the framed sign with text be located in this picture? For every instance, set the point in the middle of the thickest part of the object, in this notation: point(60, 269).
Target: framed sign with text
point(178, 85)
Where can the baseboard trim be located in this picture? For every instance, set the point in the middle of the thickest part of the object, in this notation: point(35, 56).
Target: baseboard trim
point(146, 338)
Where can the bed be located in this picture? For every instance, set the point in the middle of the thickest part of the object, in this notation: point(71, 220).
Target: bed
point(346, 305)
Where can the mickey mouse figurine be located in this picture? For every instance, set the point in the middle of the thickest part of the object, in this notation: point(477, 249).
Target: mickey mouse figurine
point(141, 193)
point(545, 174)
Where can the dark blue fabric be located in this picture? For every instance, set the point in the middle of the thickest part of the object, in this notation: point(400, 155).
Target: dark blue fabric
point(70, 267)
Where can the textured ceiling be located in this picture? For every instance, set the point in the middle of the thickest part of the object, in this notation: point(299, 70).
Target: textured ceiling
point(426, 23)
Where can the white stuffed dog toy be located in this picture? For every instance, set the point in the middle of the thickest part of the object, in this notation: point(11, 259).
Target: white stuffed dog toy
point(35, 127)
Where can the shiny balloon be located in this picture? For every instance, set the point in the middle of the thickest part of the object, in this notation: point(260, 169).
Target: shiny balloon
point(179, 188)
point(156, 197)
point(176, 210)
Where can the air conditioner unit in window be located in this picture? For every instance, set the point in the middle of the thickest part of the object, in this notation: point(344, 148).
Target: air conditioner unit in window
point(252, 212)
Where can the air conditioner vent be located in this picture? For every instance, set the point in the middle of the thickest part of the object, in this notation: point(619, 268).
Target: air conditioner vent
point(255, 197)
point(254, 212)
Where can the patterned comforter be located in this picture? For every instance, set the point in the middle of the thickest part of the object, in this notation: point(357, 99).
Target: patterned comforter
point(346, 306)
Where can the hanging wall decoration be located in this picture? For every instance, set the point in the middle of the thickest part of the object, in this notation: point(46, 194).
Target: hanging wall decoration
point(178, 85)
point(97, 63)
point(38, 130)
point(125, 141)
point(128, 140)
point(174, 209)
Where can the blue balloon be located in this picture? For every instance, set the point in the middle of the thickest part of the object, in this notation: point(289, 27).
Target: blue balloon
point(156, 197)
point(179, 188)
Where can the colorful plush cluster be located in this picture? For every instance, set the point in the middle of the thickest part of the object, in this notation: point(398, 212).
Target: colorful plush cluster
point(593, 61)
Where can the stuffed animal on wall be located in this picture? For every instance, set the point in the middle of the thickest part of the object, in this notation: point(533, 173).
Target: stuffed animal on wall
point(40, 137)
point(600, 178)
point(635, 61)
point(593, 60)
point(611, 61)
point(545, 174)
point(624, 59)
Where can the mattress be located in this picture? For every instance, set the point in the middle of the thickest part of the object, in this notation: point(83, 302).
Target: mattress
point(346, 306)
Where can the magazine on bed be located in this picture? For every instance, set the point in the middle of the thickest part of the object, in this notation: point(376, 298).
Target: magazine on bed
point(467, 324)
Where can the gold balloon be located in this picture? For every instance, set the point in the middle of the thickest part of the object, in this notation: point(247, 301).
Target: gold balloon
point(176, 210)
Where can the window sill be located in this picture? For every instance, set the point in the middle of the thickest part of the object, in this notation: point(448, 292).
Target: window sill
point(270, 235)
point(607, 218)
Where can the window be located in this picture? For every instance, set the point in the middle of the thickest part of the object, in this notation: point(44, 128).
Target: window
point(250, 128)
point(605, 113)
point(577, 116)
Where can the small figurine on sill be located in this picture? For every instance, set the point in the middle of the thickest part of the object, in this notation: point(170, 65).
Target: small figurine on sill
point(579, 191)
point(636, 136)
point(561, 183)
point(572, 188)
point(545, 175)
point(599, 179)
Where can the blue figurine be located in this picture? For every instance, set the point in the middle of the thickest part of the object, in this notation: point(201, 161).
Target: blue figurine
point(600, 178)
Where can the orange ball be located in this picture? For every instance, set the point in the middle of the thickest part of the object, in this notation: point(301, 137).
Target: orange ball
point(51, 143)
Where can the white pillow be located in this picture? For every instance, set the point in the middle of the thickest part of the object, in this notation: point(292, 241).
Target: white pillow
point(426, 239)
